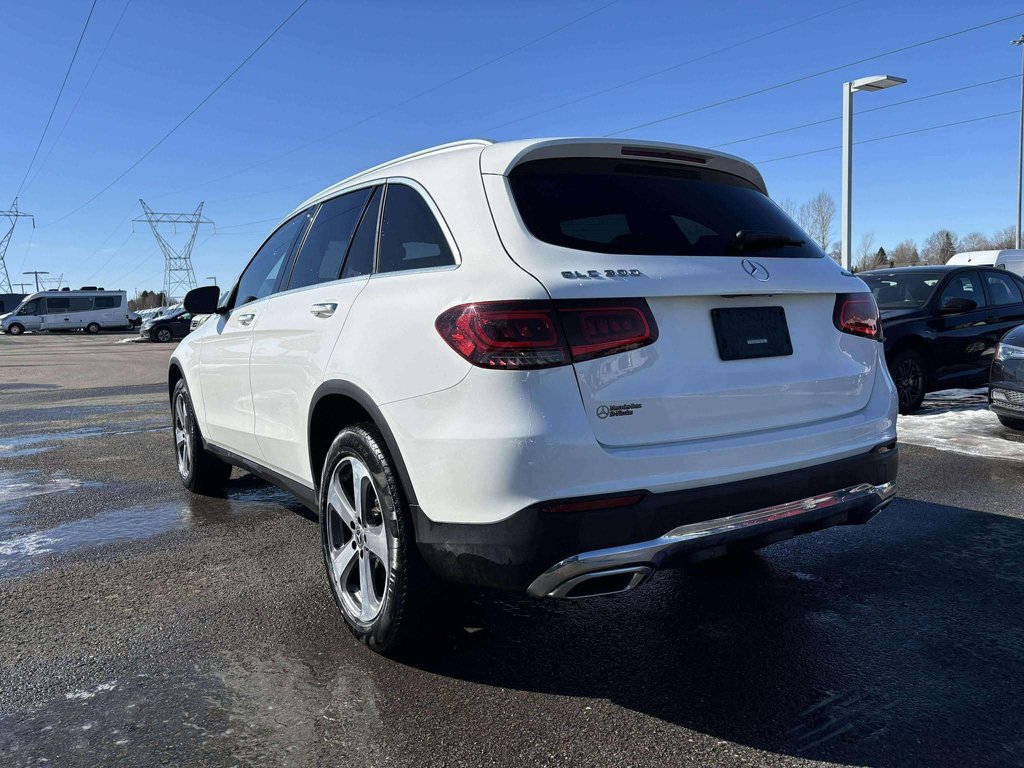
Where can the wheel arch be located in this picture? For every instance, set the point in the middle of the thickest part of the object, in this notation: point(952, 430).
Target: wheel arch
point(174, 375)
point(914, 344)
point(337, 404)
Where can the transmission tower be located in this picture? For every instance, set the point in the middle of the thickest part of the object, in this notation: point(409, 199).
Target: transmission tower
point(12, 217)
point(179, 278)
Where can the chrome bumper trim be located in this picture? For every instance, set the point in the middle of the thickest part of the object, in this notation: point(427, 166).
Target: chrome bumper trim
point(551, 582)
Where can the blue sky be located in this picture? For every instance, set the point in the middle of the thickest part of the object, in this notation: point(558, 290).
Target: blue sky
point(335, 64)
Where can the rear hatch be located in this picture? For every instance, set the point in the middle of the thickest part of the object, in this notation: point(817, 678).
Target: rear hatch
point(746, 339)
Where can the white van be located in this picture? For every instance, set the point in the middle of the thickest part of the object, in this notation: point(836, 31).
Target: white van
point(91, 309)
point(1011, 260)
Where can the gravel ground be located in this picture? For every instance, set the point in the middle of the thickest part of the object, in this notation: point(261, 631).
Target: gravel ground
point(140, 625)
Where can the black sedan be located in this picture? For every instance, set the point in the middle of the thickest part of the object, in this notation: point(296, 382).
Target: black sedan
point(175, 325)
point(1006, 382)
point(942, 324)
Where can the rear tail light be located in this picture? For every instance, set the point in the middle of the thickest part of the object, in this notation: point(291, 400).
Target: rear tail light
point(518, 335)
point(857, 314)
point(588, 505)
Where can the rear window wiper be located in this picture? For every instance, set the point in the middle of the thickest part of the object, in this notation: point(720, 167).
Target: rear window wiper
point(754, 240)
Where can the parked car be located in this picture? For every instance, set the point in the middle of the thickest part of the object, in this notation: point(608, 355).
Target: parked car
point(1008, 259)
point(173, 324)
point(942, 324)
point(198, 320)
point(87, 309)
point(1006, 381)
point(550, 366)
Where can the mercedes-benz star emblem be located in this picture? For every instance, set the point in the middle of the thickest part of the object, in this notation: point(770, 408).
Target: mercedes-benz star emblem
point(602, 411)
point(755, 270)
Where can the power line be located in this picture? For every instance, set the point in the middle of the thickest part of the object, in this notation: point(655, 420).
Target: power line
point(88, 81)
point(397, 105)
point(109, 258)
point(792, 128)
point(813, 75)
point(890, 136)
point(702, 57)
point(57, 100)
point(185, 119)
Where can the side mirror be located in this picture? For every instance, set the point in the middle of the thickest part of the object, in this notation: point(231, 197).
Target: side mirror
point(202, 301)
point(952, 305)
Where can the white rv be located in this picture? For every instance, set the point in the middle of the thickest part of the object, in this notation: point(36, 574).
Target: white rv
point(1010, 260)
point(90, 309)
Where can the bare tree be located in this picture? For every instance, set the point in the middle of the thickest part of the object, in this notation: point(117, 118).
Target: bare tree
point(817, 217)
point(939, 247)
point(789, 205)
point(905, 254)
point(975, 241)
point(865, 251)
point(1003, 239)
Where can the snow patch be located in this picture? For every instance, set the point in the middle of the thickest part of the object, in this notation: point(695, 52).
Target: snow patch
point(959, 420)
point(82, 695)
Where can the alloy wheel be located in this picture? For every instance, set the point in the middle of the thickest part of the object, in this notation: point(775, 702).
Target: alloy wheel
point(182, 436)
point(163, 334)
point(357, 540)
point(909, 382)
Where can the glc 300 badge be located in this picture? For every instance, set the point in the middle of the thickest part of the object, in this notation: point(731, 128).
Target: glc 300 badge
point(625, 409)
point(600, 274)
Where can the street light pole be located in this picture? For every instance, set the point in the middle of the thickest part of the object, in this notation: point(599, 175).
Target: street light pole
point(874, 83)
point(37, 274)
point(211, 277)
point(1020, 140)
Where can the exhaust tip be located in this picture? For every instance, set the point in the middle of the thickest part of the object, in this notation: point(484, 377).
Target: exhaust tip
point(602, 583)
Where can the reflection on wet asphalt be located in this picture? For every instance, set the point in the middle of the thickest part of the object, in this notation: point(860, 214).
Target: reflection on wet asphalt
point(141, 625)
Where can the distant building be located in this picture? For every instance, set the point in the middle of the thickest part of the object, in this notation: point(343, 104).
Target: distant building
point(9, 301)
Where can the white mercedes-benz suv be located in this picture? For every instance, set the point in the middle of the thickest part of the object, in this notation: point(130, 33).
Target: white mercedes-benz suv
point(551, 366)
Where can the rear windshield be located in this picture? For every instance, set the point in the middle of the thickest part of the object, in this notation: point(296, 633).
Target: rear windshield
point(902, 290)
point(645, 208)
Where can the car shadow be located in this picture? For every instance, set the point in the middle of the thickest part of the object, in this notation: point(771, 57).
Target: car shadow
point(896, 643)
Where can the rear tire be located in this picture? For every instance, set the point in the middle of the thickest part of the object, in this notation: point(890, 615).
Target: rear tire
point(200, 471)
point(1011, 423)
point(379, 583)
point(92, 328)
point(16, 329)
point(910, 375)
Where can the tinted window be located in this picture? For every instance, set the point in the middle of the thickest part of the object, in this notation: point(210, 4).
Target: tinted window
point(261, 275)
point(80, 303)
point(410, 237)
point(902, 290)
point(108, 302)
point(324, 249)
point(1002, 289)
point(965, 285)
point(57, 304)
point(30, 308)
point(615, 206)
point(360, 254)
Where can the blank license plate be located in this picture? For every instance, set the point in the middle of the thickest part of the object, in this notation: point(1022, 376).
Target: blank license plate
point(747, 332)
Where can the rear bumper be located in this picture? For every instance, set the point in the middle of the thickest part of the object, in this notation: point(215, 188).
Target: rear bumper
point(551, 553)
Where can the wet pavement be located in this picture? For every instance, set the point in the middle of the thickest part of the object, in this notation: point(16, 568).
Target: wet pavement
point(140, 625)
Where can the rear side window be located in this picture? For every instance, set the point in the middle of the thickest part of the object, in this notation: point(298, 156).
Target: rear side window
point(260, 277)
point(57, 304)
point(323, 251)
point(410, 237)
point(607, 205)
point(108, 302)
point(80, 304)
point(364, 243)
point(1002, 289)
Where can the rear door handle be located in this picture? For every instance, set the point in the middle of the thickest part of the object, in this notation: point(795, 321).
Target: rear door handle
point(992, 319)
point(246, 319)
point(326, 309)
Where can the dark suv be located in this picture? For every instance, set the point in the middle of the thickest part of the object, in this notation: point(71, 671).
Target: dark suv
point(942, 324)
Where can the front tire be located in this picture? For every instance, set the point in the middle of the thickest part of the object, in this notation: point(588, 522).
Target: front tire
point(910, 375)
point(1011, 423)
point(163, 335)
point(200, 471)
point(16, 329)
point(377, 579)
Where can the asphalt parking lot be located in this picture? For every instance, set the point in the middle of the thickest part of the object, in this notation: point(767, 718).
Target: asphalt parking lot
point(140, 625)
